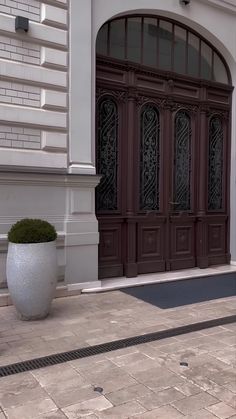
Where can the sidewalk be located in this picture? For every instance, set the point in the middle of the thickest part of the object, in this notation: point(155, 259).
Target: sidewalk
point(144, 381)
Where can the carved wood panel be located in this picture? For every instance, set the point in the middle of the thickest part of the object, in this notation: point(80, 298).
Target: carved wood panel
point(182, 251)
point(110, 249)
point(151, 245)
point(162, 216)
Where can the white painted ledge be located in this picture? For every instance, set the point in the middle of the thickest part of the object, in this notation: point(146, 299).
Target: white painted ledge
point(52, 58)
point(81, 285)
point(53, 100)
point(31, 159)
point(51, 15)
point(23, 115)
point(54, 141)
point(38, 32)
point(82, 169)
point(33, 74)
point(158, 278)
point(60, 3)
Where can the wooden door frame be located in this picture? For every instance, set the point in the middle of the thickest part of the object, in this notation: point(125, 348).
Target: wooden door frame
point(129, 82)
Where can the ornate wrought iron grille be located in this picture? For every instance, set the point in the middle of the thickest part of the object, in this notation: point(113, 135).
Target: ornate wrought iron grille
point(149, 159)
point(215, 164)
point(182, 162)
point(107, 155)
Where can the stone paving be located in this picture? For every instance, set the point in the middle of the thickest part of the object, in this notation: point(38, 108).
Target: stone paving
point(144, 381)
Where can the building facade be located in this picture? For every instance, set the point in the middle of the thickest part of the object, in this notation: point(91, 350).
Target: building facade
point(137, 95)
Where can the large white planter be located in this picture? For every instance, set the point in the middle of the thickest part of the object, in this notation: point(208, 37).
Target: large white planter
point(32, 278)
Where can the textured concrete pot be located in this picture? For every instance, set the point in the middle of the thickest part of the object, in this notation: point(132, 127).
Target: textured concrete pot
point(32, 278)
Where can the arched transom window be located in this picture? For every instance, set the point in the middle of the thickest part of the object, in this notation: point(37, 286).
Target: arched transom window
point(162, 44)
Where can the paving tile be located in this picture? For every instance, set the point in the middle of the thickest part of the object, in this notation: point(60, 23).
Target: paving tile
point(72, 395)
point(161, 398)
point(228, 337)
point(188, 389)
point(31, 409)
point(149, 371)
point(17, 397)
point(213, 330)
point(191, 404)
point(201, 414)
point(53, 415)
point(97, 366)
point(122, 411)
point(135, 362)
point(87, 407)
point(206, 375)
point(87, 363)
point(227, 355)
point(17, 383)
point(165, 412)
point(231, 386)
point(110, 380)
point(222, 410)
point(223, 395)
point(50, 376)
point(158, 378)
point(128, 394)
point(222, 377)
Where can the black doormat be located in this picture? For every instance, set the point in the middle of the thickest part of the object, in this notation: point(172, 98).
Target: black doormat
point(184, 292)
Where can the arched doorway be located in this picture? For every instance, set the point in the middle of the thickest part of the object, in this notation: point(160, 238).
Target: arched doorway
point(163, 110)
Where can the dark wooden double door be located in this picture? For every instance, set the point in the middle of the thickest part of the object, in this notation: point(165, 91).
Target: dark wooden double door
point(162, 151)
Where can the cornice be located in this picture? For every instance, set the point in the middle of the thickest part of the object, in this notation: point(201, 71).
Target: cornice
point(229, 6)
point(48, 179)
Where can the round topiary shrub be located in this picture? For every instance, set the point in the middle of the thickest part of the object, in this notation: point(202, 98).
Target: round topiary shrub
point(32, 231)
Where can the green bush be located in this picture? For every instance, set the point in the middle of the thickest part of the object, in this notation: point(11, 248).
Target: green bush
point(32, 231)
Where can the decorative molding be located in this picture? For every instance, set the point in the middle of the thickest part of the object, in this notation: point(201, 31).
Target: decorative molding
point(82, 169)
point(53, 58)
point(33, 74)
point(21, 115)
point(229, 6)
point(120, 95)
point(81, 201)
point(49, 179)
point(50, 99)
point(29, 160)
point(59, 3)
point(54, 141)
point(54, 16)
point(39, 33)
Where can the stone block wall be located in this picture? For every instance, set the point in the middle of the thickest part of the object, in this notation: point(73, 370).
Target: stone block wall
point(34, 77)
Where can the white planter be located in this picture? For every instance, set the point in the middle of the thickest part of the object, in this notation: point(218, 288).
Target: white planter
point(32, 278)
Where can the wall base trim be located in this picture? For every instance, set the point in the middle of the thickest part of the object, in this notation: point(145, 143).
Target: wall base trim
point(61, 292)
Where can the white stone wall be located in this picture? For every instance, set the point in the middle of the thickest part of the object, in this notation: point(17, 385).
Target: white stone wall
point(18, 137)
point(18, 50)
point(33, 68)
point(51, 69)
point(26, 8)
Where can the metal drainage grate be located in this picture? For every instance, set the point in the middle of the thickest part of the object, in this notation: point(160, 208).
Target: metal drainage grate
point(60, 358)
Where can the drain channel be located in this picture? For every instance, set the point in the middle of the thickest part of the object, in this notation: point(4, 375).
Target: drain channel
point(85, 352)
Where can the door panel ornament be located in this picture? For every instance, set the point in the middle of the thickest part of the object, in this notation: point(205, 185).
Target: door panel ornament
point(182, 162)
point(215, 164)
point(149, 159)
point(107, 157)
